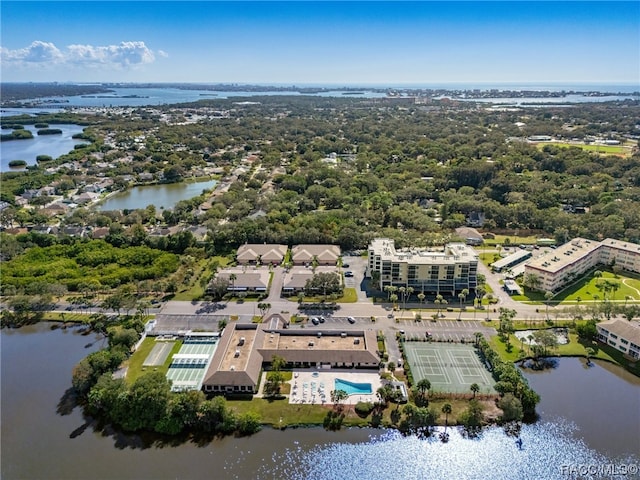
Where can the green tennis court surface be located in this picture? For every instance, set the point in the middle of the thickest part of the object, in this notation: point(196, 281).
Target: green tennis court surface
point(449, 367)
point(189, 365)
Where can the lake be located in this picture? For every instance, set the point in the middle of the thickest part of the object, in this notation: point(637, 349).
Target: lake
point(52, 145)
point(164, 195)
point(44, 438)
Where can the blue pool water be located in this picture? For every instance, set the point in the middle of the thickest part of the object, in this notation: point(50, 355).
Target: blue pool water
point(353, 388)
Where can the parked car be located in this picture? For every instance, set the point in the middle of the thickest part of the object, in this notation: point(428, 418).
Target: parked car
point(345, 265)
point(321, 319)
point(427, 334)
point(315, 321)
point(348, 274)
point(351, 320)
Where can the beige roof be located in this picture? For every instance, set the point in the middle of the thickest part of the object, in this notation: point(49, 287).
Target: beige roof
point(235, 364)
point(293, 346)
point(251, 279)
point(297, 279)
point(250, 252)
point(324, 253)
point(623, 328)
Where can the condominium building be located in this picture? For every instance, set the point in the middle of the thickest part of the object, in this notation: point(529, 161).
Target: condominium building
point(446, 270)
point(564, 264)
point(621, 335)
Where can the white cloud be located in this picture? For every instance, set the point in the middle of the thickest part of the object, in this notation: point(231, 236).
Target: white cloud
point(37, 52)
point(124, 55)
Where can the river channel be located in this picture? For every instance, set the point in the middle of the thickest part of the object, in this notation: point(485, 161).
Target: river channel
point(44, 438)
point(164, 195)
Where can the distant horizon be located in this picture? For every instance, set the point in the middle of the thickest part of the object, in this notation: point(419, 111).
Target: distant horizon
point(426, 85)
point(311, 43)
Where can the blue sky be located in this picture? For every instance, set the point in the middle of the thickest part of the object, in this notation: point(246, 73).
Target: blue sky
point(321, 42)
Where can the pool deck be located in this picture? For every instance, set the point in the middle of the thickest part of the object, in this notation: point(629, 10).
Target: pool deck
point(313, 392)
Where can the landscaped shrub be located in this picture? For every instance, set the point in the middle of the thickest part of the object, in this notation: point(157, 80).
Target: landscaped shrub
point(364, 408)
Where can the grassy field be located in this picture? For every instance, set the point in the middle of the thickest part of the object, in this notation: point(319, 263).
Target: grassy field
point(134, 364)
point(587, 288)
point(513, 240)
point(619, 150)
point(349, 295)
point(281, 414)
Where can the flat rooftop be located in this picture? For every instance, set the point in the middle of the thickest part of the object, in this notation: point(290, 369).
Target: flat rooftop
point(450, 253)
point(303, 342)
point(565, 255)
point(237, 355)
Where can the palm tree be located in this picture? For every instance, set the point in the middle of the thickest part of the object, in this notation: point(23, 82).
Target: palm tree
point(421, 296)
point(407, 293)
point(393, 298)
point(446, 409)
point(402, 291)
point(590, 352)
point(548, 296)
point(424, 385)
point(475, 388)
point(232, 278)
point(462, 296)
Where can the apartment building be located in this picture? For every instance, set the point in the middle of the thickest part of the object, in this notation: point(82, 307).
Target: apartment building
point(446, 270)
point(564, 264)
point(621, 335)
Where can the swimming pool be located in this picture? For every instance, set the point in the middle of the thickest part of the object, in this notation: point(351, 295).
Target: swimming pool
point(353, 388)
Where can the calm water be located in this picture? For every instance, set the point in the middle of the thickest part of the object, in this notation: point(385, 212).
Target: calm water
point(162, 96)
point(603, 401)
point(42, 438)
point(162, 195)
point(52, 145)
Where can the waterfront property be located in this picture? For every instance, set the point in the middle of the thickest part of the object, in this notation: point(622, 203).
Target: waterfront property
point(621, 335)
point(566, 263)
point(315, 386)
point(449, 269)
point(189, 365)
point(450, 367)
point(245, 348)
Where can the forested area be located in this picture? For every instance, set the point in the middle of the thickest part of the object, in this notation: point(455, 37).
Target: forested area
point(334, 170)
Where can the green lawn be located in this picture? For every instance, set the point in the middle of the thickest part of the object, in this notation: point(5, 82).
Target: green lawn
point(587, 288)
point(513, 240)
point(134, 364)
point(280, 413)
point(349, 295)
point(575, 348)
point(604, 149)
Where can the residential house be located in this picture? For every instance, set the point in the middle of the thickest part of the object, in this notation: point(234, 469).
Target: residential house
point(322, 254)
point(256, 253)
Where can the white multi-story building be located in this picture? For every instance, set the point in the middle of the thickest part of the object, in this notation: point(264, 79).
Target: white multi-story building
point(621, 335)
point(446, 270)
point(564, 264)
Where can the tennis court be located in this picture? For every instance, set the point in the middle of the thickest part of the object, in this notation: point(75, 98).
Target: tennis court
point(158, 354)
point(449, 367)
point(189, 365)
